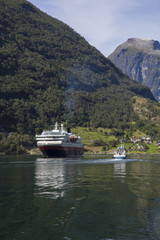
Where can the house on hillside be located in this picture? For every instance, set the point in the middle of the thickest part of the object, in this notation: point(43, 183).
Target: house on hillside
point(136, 139)
point(148, 140)
point(158, 143)
point(141, 139)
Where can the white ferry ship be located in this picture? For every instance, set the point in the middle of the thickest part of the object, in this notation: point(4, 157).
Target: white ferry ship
point(59, 143)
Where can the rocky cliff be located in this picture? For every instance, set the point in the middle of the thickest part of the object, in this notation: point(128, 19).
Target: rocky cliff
point(140, 60)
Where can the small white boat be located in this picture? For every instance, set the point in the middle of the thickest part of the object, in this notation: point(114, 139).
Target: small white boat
point(120, 153)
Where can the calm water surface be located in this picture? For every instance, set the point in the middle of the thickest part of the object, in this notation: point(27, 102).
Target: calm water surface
point(95, 198)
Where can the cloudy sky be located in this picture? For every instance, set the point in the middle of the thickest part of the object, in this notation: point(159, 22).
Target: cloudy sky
point(105, 24)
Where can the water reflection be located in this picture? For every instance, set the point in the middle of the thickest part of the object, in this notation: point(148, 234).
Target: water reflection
point(49, 180)
point(156, 225)
point(120, 170)
point(80, 199)
point(54, 176)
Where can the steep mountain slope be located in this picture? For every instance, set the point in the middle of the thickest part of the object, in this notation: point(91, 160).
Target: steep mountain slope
point(48, 72)
point(140, 60)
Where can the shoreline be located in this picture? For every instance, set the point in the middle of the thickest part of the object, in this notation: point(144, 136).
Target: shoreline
point(36, 151)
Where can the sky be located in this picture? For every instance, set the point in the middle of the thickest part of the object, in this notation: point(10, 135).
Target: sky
point(106, 24)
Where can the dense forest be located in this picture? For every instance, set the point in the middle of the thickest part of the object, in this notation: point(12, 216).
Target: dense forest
point(49, 73)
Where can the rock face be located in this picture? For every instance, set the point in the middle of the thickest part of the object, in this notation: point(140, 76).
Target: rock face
point(140, 60)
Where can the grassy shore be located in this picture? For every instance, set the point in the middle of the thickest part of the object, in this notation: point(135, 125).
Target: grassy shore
point(102, 141)
point(98, 150)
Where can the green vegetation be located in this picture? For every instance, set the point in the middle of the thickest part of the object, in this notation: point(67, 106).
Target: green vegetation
point(152, 148)
point(15, 143)
point(48, 72)
point(95, 140)
point(102, 140)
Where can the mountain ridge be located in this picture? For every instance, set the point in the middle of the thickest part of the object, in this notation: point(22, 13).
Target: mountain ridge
point(49, 73)
point(140, 60)
point(146, 45)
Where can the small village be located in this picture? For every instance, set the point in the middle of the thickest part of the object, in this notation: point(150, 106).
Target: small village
point(141, 144)
point(141, 139)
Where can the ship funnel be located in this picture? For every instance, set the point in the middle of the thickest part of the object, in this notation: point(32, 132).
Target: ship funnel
point(68, 129)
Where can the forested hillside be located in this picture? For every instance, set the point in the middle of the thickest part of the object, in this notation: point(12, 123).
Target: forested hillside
point(48, 72)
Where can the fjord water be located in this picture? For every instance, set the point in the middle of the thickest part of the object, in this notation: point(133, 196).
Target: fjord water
point(74, 199)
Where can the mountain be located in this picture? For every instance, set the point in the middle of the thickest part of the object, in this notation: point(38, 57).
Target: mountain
point(49, 73)
point(140, 60)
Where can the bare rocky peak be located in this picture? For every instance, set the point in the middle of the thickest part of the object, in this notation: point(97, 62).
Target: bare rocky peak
point(145, 45)
point(140, 60)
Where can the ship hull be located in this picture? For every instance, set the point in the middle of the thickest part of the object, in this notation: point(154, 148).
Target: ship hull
point(61, 151)
point(119, 157)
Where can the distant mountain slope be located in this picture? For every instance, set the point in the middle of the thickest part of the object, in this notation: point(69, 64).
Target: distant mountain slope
point(48, 72)
point(140, 60)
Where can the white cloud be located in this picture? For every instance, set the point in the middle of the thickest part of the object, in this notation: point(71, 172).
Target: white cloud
point(106, 23)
